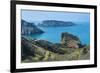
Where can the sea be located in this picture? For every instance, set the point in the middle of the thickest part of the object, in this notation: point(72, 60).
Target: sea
point(53, 34)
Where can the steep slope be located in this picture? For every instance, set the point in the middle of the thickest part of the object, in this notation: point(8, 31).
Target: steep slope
point(33, 50)
point(29, 28)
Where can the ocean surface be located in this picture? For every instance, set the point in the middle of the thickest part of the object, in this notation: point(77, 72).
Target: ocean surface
point(53, 34)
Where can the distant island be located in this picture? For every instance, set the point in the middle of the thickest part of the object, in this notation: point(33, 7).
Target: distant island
point(28, 28)
point(55, 23)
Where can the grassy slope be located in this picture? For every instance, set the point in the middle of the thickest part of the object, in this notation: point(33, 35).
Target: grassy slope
point(70, 54)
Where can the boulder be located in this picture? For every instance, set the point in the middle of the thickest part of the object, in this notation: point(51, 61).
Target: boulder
point(69, 40)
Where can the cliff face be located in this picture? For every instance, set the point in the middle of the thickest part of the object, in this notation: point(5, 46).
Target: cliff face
point(55, 23)
point(29, 28)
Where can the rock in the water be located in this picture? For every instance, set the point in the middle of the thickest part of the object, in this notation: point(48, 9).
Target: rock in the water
point(70, 40)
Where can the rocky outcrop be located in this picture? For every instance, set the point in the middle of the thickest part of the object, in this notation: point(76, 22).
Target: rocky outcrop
point(70, 40)
point(29, 28)
point(70, 48)
point(37, 47)
point(30, 49)
point(55, 23)
point(48, 46)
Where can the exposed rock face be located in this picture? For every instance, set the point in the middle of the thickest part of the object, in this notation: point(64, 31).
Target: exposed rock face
point(55, 23)
point(70, 40)
point(37, 47)
point(28, 48)
point(29, 28)
point(48, 46)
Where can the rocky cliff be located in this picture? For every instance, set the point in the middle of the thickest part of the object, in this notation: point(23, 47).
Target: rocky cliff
point(29, 28)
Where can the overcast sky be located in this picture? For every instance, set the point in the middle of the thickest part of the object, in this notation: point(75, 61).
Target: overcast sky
point(31, 16)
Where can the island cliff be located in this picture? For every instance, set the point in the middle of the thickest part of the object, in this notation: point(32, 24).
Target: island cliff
point(55, 23)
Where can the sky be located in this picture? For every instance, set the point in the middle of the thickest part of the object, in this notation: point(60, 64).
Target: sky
point(33, 15)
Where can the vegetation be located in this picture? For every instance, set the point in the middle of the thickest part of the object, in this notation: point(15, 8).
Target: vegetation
point(41, 50)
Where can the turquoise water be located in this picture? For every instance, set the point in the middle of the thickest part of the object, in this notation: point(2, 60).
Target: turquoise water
point(53, 34)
